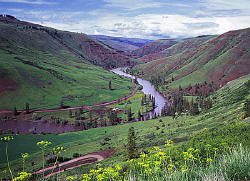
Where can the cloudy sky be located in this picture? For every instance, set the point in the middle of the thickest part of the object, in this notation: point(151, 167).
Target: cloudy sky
point(150, 19)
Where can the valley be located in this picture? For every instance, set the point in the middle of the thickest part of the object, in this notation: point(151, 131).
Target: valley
point(112, 108)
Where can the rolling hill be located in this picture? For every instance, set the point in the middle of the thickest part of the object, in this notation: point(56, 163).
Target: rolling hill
point(153, 47)
point(121, 43)
point(220, 59)
point(180, 46)
point(44, 66)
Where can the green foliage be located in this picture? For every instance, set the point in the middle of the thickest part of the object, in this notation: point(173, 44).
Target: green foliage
point(159, 164)
point(131, 146)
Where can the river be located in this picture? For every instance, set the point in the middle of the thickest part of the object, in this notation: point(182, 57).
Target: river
point(148, 89)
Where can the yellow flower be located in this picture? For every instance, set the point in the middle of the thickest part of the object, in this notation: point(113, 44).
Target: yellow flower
point(183, 169)
point(58, 150)
point(209, 160)
point(23, 176)
point(25, 155)
point(140, 163)
point(7, 138)
point(143, 155)
point(169, 143)
point(157, 162)
point(156, 148)
point(98, 164)
point(170, 167)
point(118, 167)
point(190, 150)
point(43, 144)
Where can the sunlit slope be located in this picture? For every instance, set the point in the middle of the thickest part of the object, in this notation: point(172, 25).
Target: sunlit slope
point(43, 66)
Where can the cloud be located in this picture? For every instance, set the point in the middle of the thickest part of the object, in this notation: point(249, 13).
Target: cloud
point(39, 2)
point(160, 19)
point(140, 4)
point(132, 4)
point(154, 26)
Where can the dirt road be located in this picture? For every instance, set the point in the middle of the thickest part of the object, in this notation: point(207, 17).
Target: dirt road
point(77, 162)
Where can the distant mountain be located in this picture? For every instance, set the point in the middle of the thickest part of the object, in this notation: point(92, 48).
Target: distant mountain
point(154, 47)
point(44, 66)
point(121, 43)
point(219, 59)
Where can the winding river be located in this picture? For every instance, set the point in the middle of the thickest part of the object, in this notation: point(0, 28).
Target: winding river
point(148, 89)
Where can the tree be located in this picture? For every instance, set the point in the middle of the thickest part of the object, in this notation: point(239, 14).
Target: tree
point(180, 88)
point(27, 108)
point(194, 110)
point(131, 148)
point(153, 102)
point(129, 114)
point(247, 107)
point(114, 120)
point(139, 115)
point(15, 113)
point(110, 85)
point(62, 104)
point(70, 113)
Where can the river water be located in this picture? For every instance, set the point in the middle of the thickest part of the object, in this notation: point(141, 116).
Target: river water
point(148, 89)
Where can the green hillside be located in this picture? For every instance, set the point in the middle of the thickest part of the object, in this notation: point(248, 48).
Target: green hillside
point(220, 60)
point(43, 66)
point(180, 46)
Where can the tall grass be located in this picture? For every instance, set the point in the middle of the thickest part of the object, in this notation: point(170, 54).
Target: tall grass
point(232, 165)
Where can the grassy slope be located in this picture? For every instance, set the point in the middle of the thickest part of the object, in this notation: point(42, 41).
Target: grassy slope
point(227, 107)
point(41, 69)
point(220, 59)
point(180, 46)
point(153, 47)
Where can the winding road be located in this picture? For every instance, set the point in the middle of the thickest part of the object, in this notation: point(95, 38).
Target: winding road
point(74, 163)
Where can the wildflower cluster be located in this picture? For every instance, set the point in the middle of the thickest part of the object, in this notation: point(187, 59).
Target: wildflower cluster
point(24, 157)
point(23, 176)
point(100, 174)
point(58, 150)
point(7, 138)
point(153, 164)
point(43, 144)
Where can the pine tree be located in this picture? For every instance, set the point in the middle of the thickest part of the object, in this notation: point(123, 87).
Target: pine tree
point(153, 102)
point(139, 115)
point(27, 108)
point(194, 109)
point(131, 147)
point(110, 85)
point(70, 113)
point(129, 113)
point(15, 113)
point(62, 104)
point(247, 107)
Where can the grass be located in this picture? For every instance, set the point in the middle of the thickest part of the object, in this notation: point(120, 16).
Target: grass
point(231, 165)
point(149, 133)
point(37, 69)
point(216, 60)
